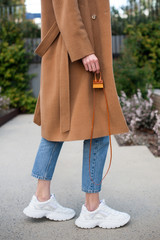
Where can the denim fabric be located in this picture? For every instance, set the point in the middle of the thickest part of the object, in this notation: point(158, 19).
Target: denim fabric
point(48, 152)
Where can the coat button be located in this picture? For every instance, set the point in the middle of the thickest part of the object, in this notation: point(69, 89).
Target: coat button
point(94, 16)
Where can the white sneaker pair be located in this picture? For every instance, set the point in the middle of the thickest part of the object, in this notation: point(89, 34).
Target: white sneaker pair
point(103, 216)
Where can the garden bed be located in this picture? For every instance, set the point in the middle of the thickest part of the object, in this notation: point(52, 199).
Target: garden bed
point(142, 137)
point(6, 115)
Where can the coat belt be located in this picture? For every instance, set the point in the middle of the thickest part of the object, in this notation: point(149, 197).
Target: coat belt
point(64, 90)
point(63, 74)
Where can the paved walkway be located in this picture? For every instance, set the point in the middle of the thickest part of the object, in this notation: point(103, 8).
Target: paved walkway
point(132, 185)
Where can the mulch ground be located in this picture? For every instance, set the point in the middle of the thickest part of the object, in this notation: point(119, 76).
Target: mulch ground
point(142, 137)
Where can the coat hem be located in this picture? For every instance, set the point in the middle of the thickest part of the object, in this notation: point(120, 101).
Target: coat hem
point(65, 139)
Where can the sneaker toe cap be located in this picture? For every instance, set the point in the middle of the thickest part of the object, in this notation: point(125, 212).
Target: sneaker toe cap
point(69, 211)
point(124, 216)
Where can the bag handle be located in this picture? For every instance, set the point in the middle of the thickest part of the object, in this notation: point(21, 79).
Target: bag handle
point(99, 84)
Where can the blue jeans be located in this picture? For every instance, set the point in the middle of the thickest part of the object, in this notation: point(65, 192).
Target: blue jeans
point(48, 153)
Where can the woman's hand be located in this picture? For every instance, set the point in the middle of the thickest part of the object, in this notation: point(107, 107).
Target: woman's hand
point(91, 63)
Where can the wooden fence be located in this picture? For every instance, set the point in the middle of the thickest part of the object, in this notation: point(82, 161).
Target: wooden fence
point(14, 13)
point(140, 10)
point(32, 43)
point(135, 9)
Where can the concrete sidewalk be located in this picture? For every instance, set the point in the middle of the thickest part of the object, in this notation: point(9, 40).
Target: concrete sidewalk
point(132, 185)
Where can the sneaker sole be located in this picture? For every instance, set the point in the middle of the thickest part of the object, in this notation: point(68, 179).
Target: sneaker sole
point(50, 215)
point(102, 224)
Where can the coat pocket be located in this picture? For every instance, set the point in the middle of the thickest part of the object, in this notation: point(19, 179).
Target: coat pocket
point(47, 40)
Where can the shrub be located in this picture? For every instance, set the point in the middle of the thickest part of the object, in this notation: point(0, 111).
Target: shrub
point(14, 65)
point(139, 113)
point(21, 100)
point(156, 127)
point(139, 63)
point(4, 101)
point(145, 42)
point(30, 29)
point(129, 77)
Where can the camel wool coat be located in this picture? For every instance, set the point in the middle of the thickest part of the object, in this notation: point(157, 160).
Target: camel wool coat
point(71, 30)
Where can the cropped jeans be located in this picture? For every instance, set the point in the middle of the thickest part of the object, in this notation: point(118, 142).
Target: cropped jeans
point(48, 152)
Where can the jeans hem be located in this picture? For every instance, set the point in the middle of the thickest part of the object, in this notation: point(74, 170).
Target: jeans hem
point(40, 177)
point(91, 191)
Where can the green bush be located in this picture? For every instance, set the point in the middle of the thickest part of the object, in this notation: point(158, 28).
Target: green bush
point(22, 100)
point(146, 42)
point(128, 76)
point(10, 32)
point(4, 101)
point(14, 65)
point(30, 29)
point(139, 63)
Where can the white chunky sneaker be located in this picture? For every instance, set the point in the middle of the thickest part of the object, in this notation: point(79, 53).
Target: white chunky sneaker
point(50, 209)
point(103, 216)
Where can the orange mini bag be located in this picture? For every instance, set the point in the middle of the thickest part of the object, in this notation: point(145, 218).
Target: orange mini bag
point(98, 83)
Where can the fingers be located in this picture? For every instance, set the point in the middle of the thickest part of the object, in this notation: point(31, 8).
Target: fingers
point(97, 67)
point(91, 63)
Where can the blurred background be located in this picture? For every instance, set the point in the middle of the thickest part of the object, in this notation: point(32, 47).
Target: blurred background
point(136, 64)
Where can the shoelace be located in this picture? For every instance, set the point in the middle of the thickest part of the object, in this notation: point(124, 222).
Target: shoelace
point(57, 203)
point(109, 209)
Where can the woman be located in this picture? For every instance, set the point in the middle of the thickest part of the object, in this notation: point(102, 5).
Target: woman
point(75, 43)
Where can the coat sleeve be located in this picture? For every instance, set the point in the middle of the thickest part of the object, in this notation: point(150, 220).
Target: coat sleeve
point(71, 26)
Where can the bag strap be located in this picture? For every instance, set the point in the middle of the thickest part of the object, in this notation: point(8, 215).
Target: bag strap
point(99, 84)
